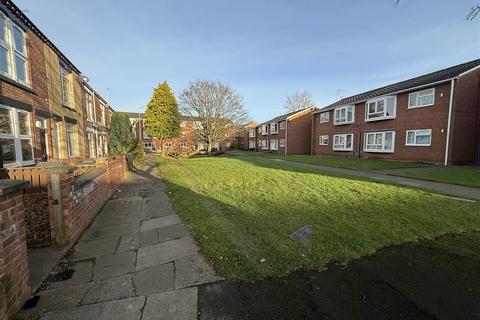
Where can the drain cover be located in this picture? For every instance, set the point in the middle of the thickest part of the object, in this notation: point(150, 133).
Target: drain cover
point(304, 233)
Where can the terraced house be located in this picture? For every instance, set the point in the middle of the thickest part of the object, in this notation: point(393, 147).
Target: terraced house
point(43, 98)
point(432, 118)
point(286, 134)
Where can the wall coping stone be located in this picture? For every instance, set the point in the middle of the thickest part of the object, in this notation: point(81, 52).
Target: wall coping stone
point(85, 178)
point(58, 169)
point(8, 186)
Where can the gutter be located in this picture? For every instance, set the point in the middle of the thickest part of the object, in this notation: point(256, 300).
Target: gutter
point(449, 123)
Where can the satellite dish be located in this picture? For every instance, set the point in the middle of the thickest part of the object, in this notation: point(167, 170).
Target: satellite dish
point(83, 78)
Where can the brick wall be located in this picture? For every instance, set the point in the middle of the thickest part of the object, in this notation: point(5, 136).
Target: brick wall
point(14, 285)
point(299, 131)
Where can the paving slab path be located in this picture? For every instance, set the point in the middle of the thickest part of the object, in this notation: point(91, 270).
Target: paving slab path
point(136, 261)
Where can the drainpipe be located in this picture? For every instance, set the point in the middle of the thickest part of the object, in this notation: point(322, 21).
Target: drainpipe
point(450, 107)
point(286, 136)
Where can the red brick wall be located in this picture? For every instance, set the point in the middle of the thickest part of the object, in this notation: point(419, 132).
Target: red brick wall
point(275, 136)
point(14, 285)
point(434, 117)
point(465, 129)
point(299, 130)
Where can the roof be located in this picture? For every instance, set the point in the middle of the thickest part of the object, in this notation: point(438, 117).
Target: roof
point(284, 116)
point(434, 77)
point(22, 17)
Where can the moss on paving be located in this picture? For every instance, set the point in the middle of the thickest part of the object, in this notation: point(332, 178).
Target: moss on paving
point(469, 177)
point(242, 211)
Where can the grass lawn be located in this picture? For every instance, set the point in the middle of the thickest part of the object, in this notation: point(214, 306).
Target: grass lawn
point(340, 162)
point(242, 211)
point(462, 176)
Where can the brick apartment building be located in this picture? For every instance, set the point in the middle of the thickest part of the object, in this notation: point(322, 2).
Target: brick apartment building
point(433, 118)
point(286, 134)
point(42, 98)
point(186, 142)
point(242, 138)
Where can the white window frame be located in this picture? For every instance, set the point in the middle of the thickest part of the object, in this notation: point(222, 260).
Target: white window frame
point(325, 117)
point(323, 140)
point(89, 104)
point(90, 142)
point(281, 143)
point(336, 120)
point(251, 133)
point(264, 144)
point(274, 144)
point(419, 94)
point(17, 137)
point(13, 53)
point(265, 129)
point(66, 91)
point(68, 133)
point(251, 144)
point(384, 116)
point(415, 134)
point(283, 125)
point(343, 148)
point(382, 134)
point(273, 128)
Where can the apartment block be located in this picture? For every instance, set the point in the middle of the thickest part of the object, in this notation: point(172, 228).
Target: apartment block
point(245, 136)
point(432, 118)
point(286, 134)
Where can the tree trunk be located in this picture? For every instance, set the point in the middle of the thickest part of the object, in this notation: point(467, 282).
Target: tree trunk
point(163, 147)
point(209, 148)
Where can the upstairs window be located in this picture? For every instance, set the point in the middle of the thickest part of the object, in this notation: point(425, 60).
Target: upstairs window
point(380, 109)
point(66, 86)
point(265, 129)
point(422, 98)
point(89, 103)
point(13, 51)
point(344, 115)
point(422, 137)
point(324, 117)
point(259, 130)
point(251, 133)
point(102, 112)
point(283, 125)
point(274, 127)
point(379, 141)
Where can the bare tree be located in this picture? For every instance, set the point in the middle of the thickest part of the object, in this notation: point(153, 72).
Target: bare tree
point(299, 100)
point(216, 109)
point(474, 11)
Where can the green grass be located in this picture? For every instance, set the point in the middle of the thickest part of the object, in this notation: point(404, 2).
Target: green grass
point(338, 161)
point(461, 176)
point(241, 211)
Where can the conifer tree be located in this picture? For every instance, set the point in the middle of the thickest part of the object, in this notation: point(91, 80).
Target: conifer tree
point(162, 118)
point(121, 134)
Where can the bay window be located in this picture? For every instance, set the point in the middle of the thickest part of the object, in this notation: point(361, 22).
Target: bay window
point(15, 137)
point(422, 137)
point(344, 115)
point(13, 51)
point(379, 141)
point(422, 98)
point(343, 142)
point(380, 108)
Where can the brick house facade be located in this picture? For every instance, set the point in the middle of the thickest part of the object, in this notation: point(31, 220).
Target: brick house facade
point(431, 118)
point(286, 134)
point(245, 136)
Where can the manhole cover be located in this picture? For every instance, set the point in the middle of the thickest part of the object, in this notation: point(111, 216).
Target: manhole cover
point(304, 233)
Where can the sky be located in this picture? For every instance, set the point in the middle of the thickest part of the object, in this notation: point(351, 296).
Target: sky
point(264, 49)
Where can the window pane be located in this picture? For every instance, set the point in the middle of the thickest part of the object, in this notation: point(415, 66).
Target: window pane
point(423, 140)
point(23, 123)
point(413, 100)
point(410, 137)
point(3, 59)
point(380, 105)
point(378, 138)
point(2, 28)
point(20, 68)
point(350, 114)
point(371, 107)
point(5, 121)
point(19, 40)
point(388, 141)
point(27, 154)
point(8, 150)
point(424, 100)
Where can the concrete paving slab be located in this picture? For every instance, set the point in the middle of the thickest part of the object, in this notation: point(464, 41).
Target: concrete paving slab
point(154, 280)
point(172, 305)
point(159, 222)
point(128, 242)
point(126, 309)
point(172, 232)
point(41, 262)
point(110, 231)
point(148, 238)
point(109, 290)
point(110, 266)
point(83, 272)
point(193, 270)
point(95, 248)
point(165, 252)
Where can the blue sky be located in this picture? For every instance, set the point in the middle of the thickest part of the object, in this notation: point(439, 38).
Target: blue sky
point(263, 49)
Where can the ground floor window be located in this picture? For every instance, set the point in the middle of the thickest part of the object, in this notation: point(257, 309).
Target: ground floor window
point(282, 141)
point(273, 144)
point(70, 131)
point(422, 137)
point(379, 141)
point(15, 137)
point(343, 142)
point(90, 144)
point(264, 144)
point(323, 140)
point(251, 144)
